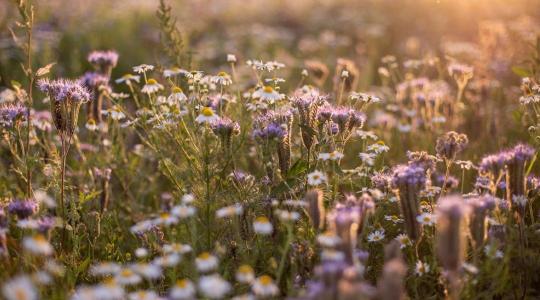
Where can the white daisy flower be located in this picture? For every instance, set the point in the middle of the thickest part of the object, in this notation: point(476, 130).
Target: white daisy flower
point(152, 86)
point(363, 97)
point(421, 268)
point(188, 198)
point(169, 260)
point(214, 286)
point(267, 94)
point(328, 239)
point(173, 72)
point(335, 155)
point(20, 288)
point(144, 295)
point(393, 218)
point(142, 68)
point(207, 115)
point(262, 226)
point(42, 278)
point(244, 297)
point(177, 248)
point(245, 274)
point(148, 271)
point(110, 290)
point(231, 58)
point(229, 211)
point(177, 96)
point(183, 211)
point(426, 219)
point(366, 135)
point(182, 289)
point(367, 158)
point(128, 78)
point(85, 293)
point(166, 219)
point(127, 276)
point(222, 78)
point(114, 112)
point(378, 148)
point(264, 286)
point(141, 252)
point(142, 226)
point(287, 216)
point(404, 240)
point(38, 245)
point(295, 203)
point(91, 125)
point(376, 236)
point(105, 269)
point(206, 262)
point(316, 178)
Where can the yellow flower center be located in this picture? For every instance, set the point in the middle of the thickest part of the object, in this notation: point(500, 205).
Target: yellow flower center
point(127, 76)
point(40, 239)
point(126, 272)
point(207, 112)
point(262, 220)
point(91, 122)
point(426, 219)
point(268, 89)
point(164, 215)
point(182, 283)
point(204, 255)
point(245, 269)
point(265, 280)
point(222, 74)
point(151, 81)
point(177, 90)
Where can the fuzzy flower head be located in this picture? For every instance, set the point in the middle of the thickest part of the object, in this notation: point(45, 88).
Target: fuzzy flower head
point(11, 114)
point(23, 208)
point(103, 60)
point(450, 144)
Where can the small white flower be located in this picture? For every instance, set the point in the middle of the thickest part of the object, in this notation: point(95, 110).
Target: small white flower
point(127, 276)
point(169, 260)
point(404, 240)
point(207, 115)
point(367, 158)
point(231, 58)
point(165, 219)
point(91, 125)
point(335, 155)
point(20, 288)
point(287, 216)
point(128, 78)
point(328, 239)
point(214, 286)
point(229, 211)
point(142, 68)
point(305, 73)
point(105, 269)
point(37, 245)
point(141, 252)
point(393, 218)
point(520, 200)
point(264, 286)
point(262, 226)
point(267, 94)
point(176, 248)
point(188, 198)
point(295, 203)
point(110, 290)
point(142, 226)
point(206, 262)
point(173, 72)
point(151, 86)
point(375, 236)
point(316, 178)
point(344, 74)
point(222, 78)
point(183, 211)
point(378, 148)
point(148, 271)
point(177, 96)
point(115, 113)
point(42, 277)
point(421, 268)
point(143, 295)
point(426, 219)
point(363, 97)
point(182, 289)
point(245, 274)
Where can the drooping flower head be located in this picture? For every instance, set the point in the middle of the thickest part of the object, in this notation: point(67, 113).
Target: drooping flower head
point(103, 61)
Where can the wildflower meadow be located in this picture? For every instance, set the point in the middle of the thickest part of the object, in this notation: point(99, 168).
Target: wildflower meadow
point(249, 149)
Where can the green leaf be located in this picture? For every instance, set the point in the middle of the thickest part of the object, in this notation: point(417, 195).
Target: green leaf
point(521, 71)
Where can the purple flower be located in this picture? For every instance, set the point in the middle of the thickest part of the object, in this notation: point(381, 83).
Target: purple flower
point(45, 224)
point(23, 208)
point(11, 113)
point(94, 80)
point(225, 127)
point(61, 90)
point(103, 60)
point(409, 175)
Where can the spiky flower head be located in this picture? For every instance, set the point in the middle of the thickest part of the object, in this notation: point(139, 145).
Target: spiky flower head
point(103, 61)
point(450, 144)
point(11, 114)
point(23, 208)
